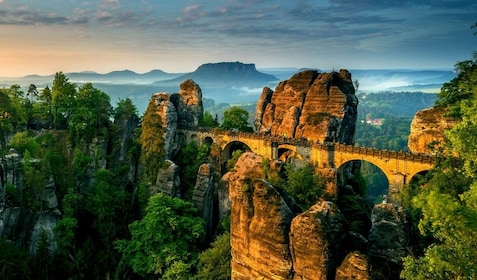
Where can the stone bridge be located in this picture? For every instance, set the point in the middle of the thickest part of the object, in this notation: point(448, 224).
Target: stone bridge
point(398, 167)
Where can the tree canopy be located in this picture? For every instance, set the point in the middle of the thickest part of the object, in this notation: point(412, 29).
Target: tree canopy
point(448, 202)
point(165, 242)
point(236, 118)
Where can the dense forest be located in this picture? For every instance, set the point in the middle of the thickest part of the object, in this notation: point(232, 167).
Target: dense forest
point(111, 226)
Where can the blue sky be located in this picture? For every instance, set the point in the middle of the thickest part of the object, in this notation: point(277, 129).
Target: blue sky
point(44, 37)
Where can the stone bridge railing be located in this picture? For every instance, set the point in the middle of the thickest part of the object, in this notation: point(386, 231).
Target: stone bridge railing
point(303, 142)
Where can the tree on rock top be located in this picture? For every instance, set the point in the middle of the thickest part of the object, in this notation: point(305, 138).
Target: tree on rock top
point(236, 118)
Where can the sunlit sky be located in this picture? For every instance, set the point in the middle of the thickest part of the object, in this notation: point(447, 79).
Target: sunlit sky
point(43, 37)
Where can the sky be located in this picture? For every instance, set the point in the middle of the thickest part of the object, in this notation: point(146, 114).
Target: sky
point(44, 37)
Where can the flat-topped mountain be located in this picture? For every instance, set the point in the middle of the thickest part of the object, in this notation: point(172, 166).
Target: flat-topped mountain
point(234, 73)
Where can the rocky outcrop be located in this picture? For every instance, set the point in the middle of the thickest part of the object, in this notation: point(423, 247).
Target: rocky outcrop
point(428, 127)
point(188, 104)
point(316, 240)
point(389, 237)
point(223, 200)
point(122, 155)
point(203, 197)
point(260, 221)
point(179, 110)
point(167, 181)
point(169, 121)
point(317, 106)
point(355, 266)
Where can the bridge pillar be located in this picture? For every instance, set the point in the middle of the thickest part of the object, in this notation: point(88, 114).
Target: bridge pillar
point(396, 185)
point(274, 154)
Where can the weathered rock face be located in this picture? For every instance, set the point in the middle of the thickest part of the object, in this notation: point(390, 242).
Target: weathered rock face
point(260, 221)
point(203, 197)
point(389, 235)
point(427, 127)
point(179, 110)
point(354, 266)
point(316, 240)
point(169, 121)
point(167, 181)
point(318, 106)
point(121, 155)
point(188, 103)
point(223, 200)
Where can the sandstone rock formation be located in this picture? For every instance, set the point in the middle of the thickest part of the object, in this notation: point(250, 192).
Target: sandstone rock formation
point(260, 221)
point(167, 181)
point(354, 266)
point(203, 197)
point(179, 110)
point(188, 104)
point(316, 240)
point(428, 127)
point(223, 201)
point(389, 237)
point(121, 155)
point(318, 106)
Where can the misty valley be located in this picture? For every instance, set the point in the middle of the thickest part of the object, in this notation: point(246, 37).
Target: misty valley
point(233, 172)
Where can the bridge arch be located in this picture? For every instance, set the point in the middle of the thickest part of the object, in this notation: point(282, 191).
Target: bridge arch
point(286, 151)
point(230, 148)
point(375, 180)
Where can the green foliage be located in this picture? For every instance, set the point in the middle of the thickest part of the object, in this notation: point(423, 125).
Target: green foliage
point(452, 222)
point(125, 109)
point(63, 94)
point(391, 135)
point(110, 210)
point(165, 242)
point(235, 156)
point(23, 142)
point(34, 184)
point(236, 118)
point(152, 143)
point(42, 259)
point(190, 158)
point(13, 197)
point(208, 121)
point(301, 187)
point(448, 202)
point(14, 262)
point(90, 113)
point(214, 263)
point(459, 89)
point(304, 185)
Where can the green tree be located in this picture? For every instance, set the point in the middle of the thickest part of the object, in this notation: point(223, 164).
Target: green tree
point(208, 121)
point(62, 98)
point(304, 185)
point(110, 211)
point(190, 157)
point(34, 184)
point(13, 112)
point(236, 118)
point(65, 230)
point(215, 262)
point(42, 259)
point(13, 262)
point(458, 89)
point(125, 108)
point(90, 113)
point(448, 202)
point(165, 242)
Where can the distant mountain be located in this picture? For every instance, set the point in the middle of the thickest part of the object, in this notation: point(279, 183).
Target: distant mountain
point(227, 74)
point(121, 77)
